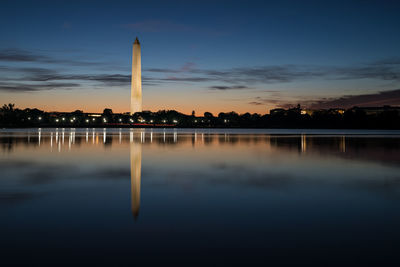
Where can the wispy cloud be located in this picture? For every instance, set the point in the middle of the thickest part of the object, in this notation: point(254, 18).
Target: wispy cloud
point(236, 87)
point(110, 79)
point(20, 77)
point(187, 67)
point(388, 70)
point(381, 98)
point(376, 99)
point(38, 79)
point(387, 61)
point(19, 87)
point(19, 56)
point(270, 100)
point(255, 103)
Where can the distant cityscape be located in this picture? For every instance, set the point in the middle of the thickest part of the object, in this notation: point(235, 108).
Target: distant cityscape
point(385, 117)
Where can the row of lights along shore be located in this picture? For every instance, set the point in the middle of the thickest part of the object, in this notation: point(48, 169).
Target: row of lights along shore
point(104, 120)
point(72, 120)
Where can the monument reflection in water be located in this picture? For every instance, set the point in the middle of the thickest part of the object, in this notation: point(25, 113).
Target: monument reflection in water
point(136, 167)
point(204, 196)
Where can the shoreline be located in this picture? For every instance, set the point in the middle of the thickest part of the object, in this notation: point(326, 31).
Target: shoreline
point(216, 131)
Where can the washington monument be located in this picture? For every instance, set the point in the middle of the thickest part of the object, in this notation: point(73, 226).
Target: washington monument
point(136, 80)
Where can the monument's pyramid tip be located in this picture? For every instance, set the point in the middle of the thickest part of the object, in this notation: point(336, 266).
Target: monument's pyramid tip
point(136, 41)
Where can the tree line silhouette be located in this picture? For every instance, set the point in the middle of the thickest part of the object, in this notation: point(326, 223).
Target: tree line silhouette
point(354, 118)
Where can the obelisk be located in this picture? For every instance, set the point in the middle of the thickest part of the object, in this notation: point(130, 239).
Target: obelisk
point(136, 80)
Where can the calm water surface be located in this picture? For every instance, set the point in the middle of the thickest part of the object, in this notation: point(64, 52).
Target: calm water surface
point(199, 197)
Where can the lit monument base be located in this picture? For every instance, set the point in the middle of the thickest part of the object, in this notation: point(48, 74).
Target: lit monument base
point(136, 104)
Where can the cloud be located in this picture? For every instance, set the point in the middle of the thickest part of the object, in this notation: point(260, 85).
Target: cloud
point(17, 55)
point(108, 79)
point(21, 78)
point(18, 87)
point(255, 103)
point(388, 70)
point(105, 78)
point(42, 75)
point(161, 70)
point(266, 74)
point(228, 87)
point(187, 67)
point(377, 99)
point(382, 98)
point(37, 79)
point(20, 55)
point(274, 99)
point(278, 100)
point(184, 79)
point(387, 61)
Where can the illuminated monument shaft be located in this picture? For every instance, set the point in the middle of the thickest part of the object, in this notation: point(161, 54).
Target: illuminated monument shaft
point(136, 80)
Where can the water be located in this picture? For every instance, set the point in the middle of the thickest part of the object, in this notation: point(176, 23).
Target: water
point(199, 197)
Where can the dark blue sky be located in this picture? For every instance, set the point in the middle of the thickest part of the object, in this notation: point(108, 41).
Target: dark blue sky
point(203, 55)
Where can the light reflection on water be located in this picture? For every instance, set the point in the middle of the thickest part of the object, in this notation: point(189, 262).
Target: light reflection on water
point(230, 196)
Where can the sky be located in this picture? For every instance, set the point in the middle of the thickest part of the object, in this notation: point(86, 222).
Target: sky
point(216, 56)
